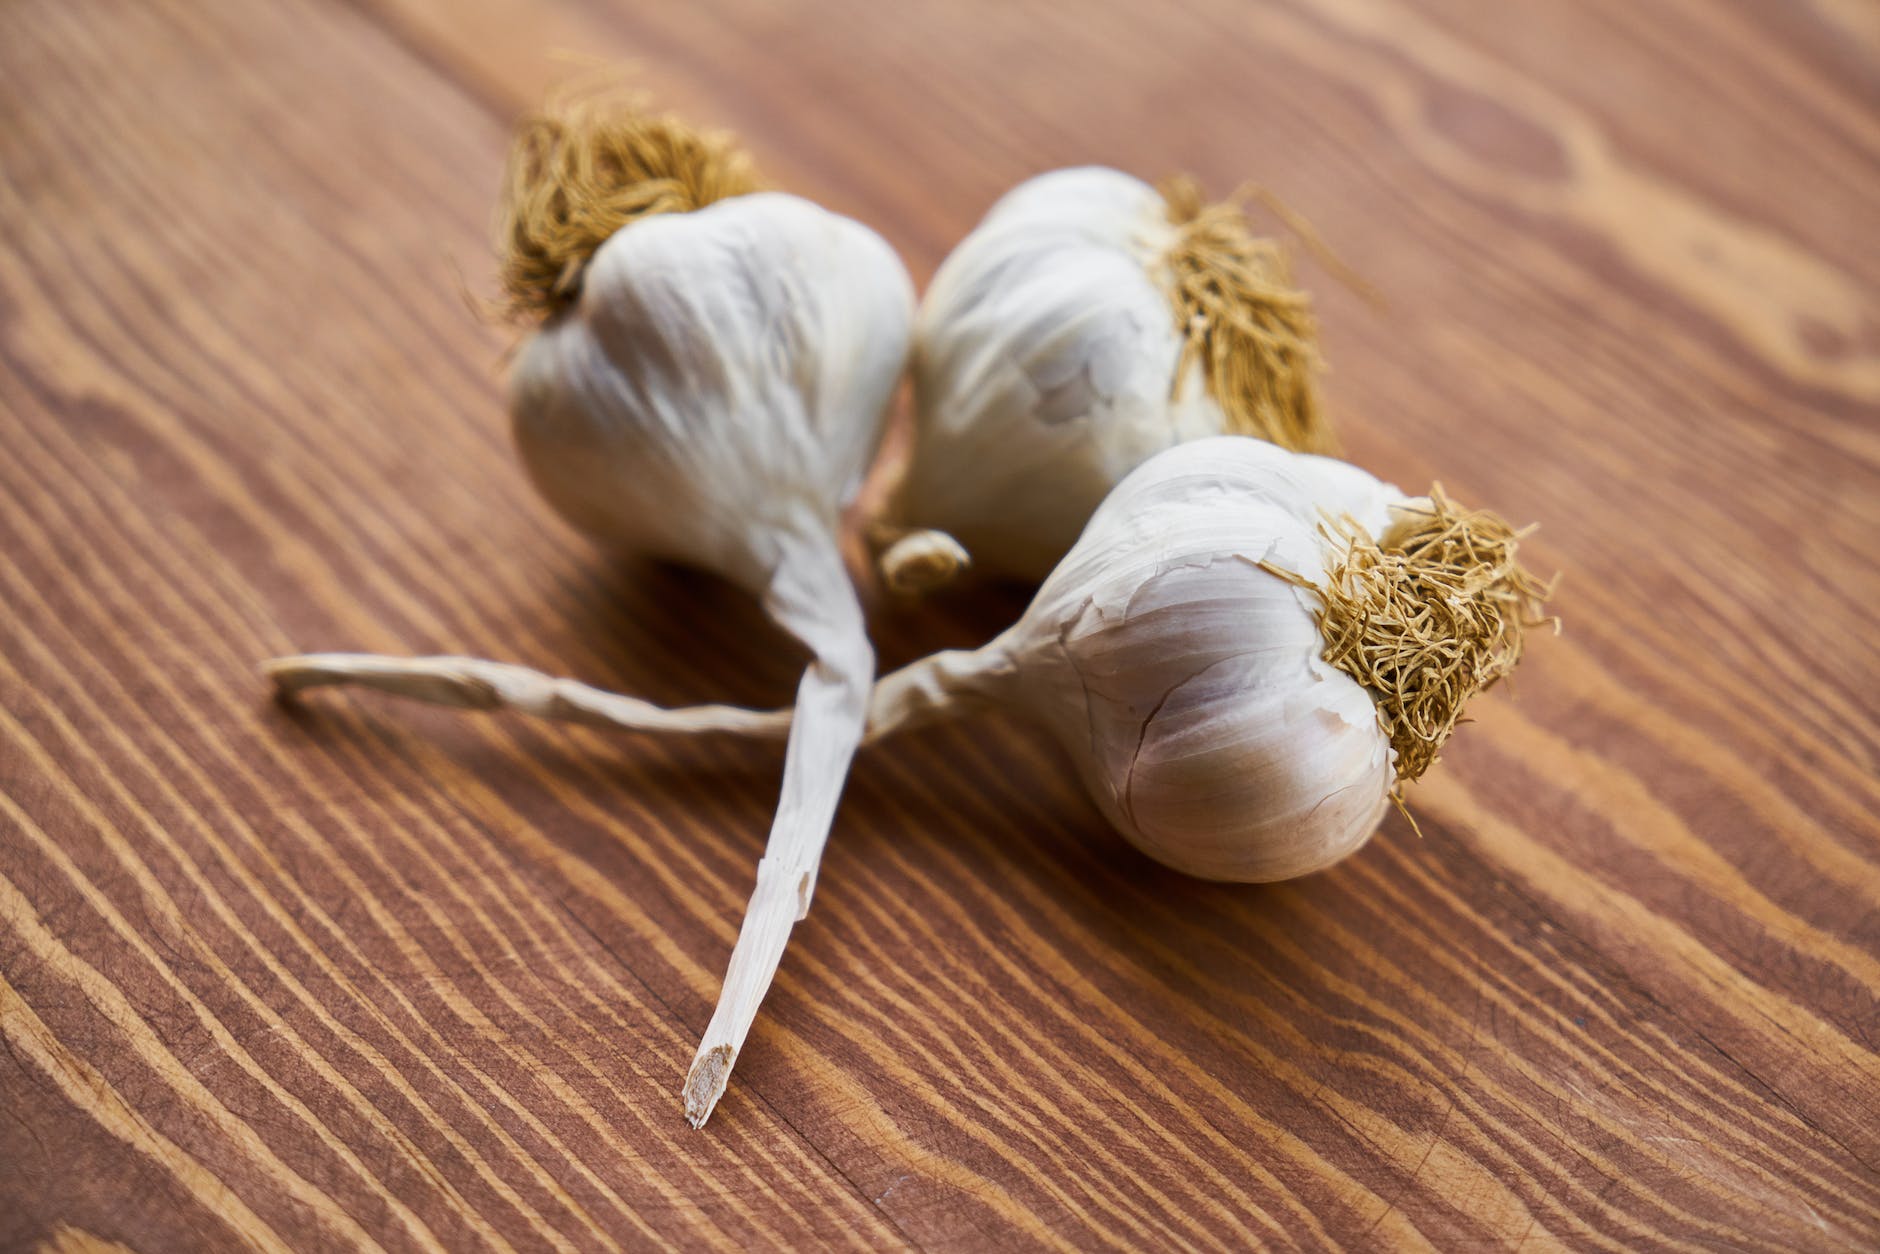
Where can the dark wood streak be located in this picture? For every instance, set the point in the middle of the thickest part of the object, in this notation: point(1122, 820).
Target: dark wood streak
point(366, 974)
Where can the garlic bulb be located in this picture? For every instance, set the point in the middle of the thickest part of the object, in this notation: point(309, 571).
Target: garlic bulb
point(1089, 322)
point(709, 386)
point(1245, 654)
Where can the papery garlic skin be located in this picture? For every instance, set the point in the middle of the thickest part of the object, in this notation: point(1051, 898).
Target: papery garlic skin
point(1044, 357)
point(1186, 682)
point(721, 385)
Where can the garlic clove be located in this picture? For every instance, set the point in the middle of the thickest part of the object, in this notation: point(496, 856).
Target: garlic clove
point(1215, 744)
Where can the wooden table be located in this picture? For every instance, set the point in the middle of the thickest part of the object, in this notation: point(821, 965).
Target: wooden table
point(370, 974)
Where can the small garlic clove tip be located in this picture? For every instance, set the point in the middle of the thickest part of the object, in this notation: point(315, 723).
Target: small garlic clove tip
point(922, 561)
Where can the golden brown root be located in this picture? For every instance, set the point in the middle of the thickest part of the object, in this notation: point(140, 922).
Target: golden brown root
point(584, 167)
point(1426, 618)
point(1252, 332)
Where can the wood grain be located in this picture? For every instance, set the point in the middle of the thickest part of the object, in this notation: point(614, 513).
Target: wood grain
point(367, 975)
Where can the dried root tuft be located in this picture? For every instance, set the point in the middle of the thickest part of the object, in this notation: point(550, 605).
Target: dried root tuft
point(1252, 331)
point(1426, 618)
point(584, 167)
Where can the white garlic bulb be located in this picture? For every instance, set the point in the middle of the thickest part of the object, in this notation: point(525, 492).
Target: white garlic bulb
point(1187, 680)
point(1244, 654)
point(709, 386)
point(715, 397)
point(1089, 322)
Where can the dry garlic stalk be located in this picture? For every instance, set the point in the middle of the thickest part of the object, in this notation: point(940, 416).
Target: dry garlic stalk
point(708, 384)
point(1089, 322)
point(1245, 654)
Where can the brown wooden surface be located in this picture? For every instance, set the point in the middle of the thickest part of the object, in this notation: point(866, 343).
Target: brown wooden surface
point(370, 974)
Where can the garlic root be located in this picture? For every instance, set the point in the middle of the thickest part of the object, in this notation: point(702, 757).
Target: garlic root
point(1243, 322)
point(584, 168)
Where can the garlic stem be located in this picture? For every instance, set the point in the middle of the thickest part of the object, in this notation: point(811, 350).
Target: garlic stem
point(475, 684)
point(811, 597)
point(936, 687)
